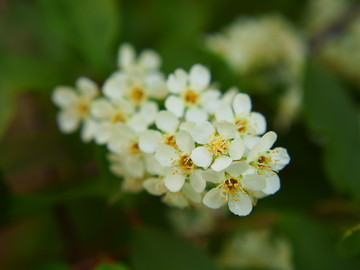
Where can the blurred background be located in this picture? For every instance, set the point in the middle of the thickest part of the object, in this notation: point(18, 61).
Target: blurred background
point(60, 206)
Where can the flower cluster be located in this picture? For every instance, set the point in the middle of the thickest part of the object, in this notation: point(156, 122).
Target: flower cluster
point(341, 52)
point(269, 52)
point(176, 137)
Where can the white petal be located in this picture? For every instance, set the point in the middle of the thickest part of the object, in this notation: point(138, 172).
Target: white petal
point(184, 141)
point(175, 105)
point(154, 186)
point(199, 77)
point(188, 126)
point(138, 123)
point(237, 168)
point(114, 87)
point(153, 166)
point(212, 176)
point(165, 154)
point(236, 149)
point(191, 194)
point(201, 157)
point(224, 112)
point(156, 85)
point(176, 199)
point(196, 115)
point(279, 158)
point(197, 182)
point(263, 145)
point(258, 123)
point(149, 59)
point(87, 87)
point(210, 100)
point(221, 163)
point(254, 182)
point(126, 56)
point(68, 121)
point(226, 129)
point(166, 121)
point(202, 132)
point(177, 81)
point(213, 199)
point(228, 97)
point(101, 108)
point(241, 104)
point(89, 130)
point(149, 140)
point(241, 207)
point(174, 182)
point(148, 111)
point(272, 184)
point(64, 96)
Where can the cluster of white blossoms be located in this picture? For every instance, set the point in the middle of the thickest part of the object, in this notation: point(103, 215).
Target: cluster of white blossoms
point(342, 52)
point(176, 137)
point(269, 49)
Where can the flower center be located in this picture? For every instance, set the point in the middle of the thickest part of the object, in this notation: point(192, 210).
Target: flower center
point(242, 125)
point(263, 162)
point(170, 140)
point(218, 146)
point(191, 97)
point(232, 185)
point(185, 163)
point(134, 149)
point(117, 117)
point(82, 108)
point(137, 94)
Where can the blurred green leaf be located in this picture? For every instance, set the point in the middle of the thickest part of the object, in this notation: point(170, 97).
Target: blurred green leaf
point(350, 244)
point(90, 26)
point(107, 266)
point(22, 72)
point(313, 244)
point(155, 250)
point(52, 266)
point(332, 114)
point(7, 104)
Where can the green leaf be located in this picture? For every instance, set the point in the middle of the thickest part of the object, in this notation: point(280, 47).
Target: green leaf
point(90, 26)
point(161, 251)
point(350, 244)
point(19, 72)
point(107, 266)
point(332, 114)
point(314, 244)
point(7, 106)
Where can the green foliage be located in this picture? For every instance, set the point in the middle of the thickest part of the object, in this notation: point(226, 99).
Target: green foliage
point(350, 244)
point(91, 27)
point(313, 243)
point(331, 113)
point(106, 266)
point(161, 251)
point(7, 103)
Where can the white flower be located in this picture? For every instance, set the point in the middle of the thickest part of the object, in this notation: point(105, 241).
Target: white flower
point(138, 78)
point(75, 105)
point(265, 161)
point(247, 122)
point(234, 188)
point(136, 89)
point(219, 146)
point(183, 198)
point(191, 94)
point(109, 113)
point(124, 143)
point(148, 60)
point(180, 163)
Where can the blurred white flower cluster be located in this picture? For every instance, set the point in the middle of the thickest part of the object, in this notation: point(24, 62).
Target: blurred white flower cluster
point(270, 49)
point(342, 52)
point(176, 137)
